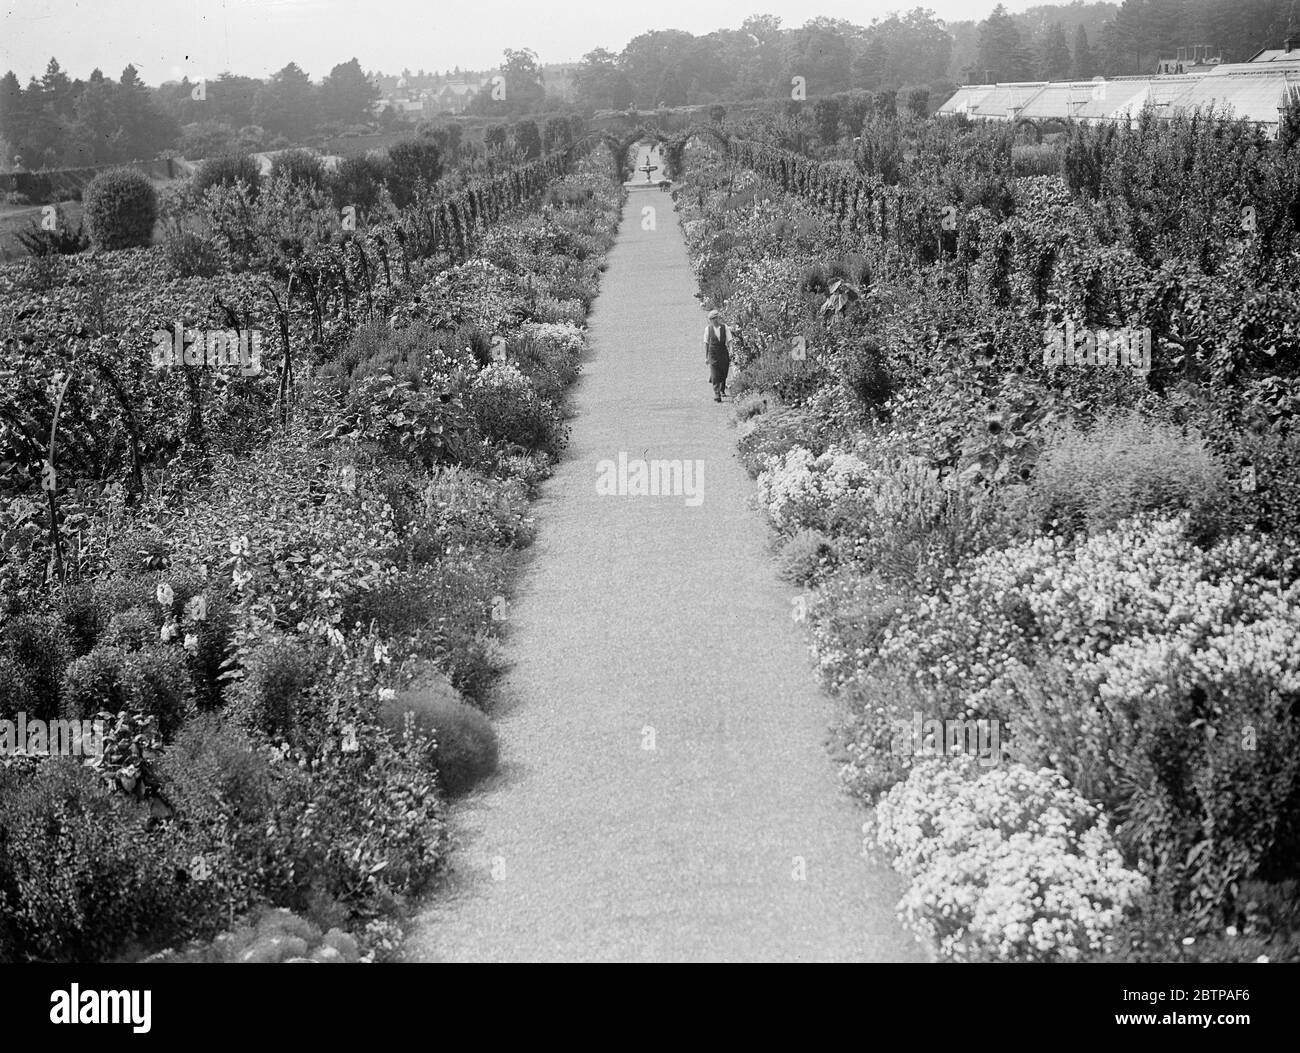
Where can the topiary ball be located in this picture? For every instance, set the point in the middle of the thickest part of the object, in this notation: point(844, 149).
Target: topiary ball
point(466, 748)
point(121, 208)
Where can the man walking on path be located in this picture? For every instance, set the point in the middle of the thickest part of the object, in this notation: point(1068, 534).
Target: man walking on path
point(717, 338)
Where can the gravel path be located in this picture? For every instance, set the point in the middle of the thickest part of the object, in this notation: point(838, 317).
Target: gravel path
point(644, 621)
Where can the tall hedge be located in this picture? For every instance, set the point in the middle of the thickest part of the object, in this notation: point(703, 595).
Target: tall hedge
point(121, 209)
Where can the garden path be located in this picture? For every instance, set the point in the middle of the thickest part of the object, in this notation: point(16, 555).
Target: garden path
point(645, 621)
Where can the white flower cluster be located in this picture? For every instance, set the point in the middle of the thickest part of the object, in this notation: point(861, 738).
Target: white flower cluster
point(1006, 863)
point(502, 375)
point(800, 490)
point(1124, 609)
point(563, 337)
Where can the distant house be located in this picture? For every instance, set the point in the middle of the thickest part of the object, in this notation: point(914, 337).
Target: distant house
point(424, 96)
point(453, 98)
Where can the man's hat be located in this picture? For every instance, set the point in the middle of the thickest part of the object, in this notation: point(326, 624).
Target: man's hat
point(715, 313)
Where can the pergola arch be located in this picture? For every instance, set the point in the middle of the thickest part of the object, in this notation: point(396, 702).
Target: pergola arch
point(1020, 122)
point(674, 145)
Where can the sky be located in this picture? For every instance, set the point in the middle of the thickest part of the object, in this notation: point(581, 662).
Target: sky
point(165, 39)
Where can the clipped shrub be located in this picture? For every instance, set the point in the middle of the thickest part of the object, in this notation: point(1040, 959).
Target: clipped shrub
point(465, 743)
point(121, 208)
point(228, 170)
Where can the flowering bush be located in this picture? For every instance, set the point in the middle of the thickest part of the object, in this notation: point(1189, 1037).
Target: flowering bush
point(506, 408)
point(895, 513)
point(1156, 676)
point(1008, 865)
point(830, 492)
point(550, 355)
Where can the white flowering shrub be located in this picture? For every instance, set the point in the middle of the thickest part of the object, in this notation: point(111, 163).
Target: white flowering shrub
point(1143, 579)
point(1159, 678)
point(550, 355)
point(1007, 864)
point(507, 409)
point(895, 513)
point(560, 338)
point(801, 491)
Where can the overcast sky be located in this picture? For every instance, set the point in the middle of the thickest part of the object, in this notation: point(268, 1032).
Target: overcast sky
point(201, 38)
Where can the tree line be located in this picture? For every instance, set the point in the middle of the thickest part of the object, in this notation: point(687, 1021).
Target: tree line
point(56, 121)
point(916, 49)
point(59, 122)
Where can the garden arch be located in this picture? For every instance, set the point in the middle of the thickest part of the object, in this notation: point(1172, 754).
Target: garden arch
point(674, 146)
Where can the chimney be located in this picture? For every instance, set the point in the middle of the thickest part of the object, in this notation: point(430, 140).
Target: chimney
point(1292, 42)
